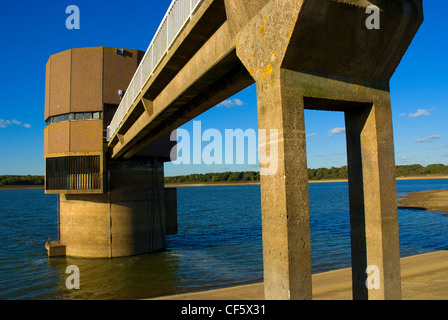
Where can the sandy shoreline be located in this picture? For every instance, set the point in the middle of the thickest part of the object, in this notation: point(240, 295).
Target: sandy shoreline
point(423, 277)
point(433, 200)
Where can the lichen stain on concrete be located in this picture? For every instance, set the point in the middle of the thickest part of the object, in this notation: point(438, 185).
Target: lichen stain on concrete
point(265, 72)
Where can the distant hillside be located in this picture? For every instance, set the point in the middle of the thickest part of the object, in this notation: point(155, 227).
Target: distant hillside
point(251, 176)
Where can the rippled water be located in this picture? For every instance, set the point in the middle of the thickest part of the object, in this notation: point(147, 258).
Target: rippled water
point(218, 243)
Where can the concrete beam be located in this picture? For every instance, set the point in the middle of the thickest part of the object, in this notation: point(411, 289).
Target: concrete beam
point(203, 65)
point(207, 19)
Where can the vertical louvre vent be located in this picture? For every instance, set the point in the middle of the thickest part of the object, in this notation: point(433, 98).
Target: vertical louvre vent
point(73, 173)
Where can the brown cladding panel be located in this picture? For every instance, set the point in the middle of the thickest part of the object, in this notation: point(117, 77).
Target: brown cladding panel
point(86, 136)
point(46, 140)
point(60, 83)
point(57, 138)
point(118, 72)
point(87, 75)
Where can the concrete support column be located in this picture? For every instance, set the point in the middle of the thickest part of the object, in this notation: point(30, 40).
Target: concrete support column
point(129, 219)
point(284, 192)
point(373, 202)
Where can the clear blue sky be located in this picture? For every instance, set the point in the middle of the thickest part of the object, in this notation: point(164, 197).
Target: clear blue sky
point(31, 31)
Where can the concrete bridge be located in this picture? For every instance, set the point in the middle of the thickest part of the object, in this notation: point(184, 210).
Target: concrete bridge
point(302, 54)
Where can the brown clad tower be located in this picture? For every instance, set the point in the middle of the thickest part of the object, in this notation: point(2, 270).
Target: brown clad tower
point(107, 208)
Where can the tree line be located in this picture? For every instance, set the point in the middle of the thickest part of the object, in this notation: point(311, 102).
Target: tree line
point(252, 176)
point(313, 174)
point(21, 180)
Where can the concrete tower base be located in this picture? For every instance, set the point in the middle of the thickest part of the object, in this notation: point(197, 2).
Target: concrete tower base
point(129, 219)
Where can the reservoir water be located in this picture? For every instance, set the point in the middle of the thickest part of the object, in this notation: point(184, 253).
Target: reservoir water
point(218, 243)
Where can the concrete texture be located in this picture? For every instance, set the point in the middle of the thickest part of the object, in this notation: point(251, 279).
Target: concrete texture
point(373, 213)
point(423, 278)
point(127, 220)
point(302, 54)
point(55, 249)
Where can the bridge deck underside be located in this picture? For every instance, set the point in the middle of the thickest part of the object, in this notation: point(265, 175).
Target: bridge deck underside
point(200, 70)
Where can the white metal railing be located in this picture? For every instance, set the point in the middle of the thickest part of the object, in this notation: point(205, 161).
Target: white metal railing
point(177, 16)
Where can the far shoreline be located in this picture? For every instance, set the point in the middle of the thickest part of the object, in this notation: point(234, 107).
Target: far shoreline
point(21, 187)
point(220, 184)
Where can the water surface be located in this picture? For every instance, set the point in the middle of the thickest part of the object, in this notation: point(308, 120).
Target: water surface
point(218, 243)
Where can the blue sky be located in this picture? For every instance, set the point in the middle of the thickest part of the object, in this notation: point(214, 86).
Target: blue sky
point(34, 30)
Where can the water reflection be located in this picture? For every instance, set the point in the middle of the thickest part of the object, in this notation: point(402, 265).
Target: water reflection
point(120, 278)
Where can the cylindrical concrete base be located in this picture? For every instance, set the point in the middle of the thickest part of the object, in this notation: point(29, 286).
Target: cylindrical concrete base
point(128, 220)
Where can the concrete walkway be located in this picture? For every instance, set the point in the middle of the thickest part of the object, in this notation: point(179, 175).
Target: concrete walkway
point(424, 277)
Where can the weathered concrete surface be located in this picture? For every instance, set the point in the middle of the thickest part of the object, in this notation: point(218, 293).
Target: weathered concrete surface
point(373, 213)
point(423, 278)
point(200, 70)
point(285, 204)
point(127, 220)
point(55, 249)
point(319, 55)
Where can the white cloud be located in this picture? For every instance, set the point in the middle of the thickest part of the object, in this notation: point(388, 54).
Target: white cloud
point(428, 139)
point(419, 113)
point(334, 131)
point(6, 123)
point(402, 115)
point(238, 102)
point(309, 135)
point(230, 103)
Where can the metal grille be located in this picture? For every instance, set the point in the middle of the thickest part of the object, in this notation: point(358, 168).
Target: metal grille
point(73, 173)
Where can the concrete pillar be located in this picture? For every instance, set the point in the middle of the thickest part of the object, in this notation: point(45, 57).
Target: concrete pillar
point(318, 54)
point(284, 192)
point(129, 219)
point(373, 201)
